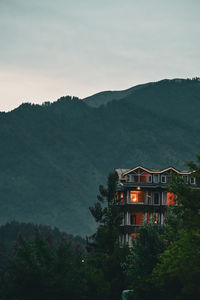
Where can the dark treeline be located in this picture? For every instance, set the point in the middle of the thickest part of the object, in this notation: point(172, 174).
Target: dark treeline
point(164, 262)
point(52, 157)
point(11, 232)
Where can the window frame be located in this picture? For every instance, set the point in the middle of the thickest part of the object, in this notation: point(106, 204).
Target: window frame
point(163, 177)
point(192, 179)
point(156, 193)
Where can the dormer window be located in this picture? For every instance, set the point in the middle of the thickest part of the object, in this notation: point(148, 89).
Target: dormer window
point(163, 179)
point(193, 180)
point(155, 178)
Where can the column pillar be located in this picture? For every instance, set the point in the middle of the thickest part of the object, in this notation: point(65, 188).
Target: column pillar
point(127, 218)
point(162, 219)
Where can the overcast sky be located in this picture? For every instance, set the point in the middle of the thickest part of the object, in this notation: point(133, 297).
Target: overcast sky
point(50, 48)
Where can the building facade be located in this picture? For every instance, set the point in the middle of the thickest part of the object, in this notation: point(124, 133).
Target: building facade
point(143, 196)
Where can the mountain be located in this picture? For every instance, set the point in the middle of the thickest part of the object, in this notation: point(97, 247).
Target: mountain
point(54, 156)
point(103, 98)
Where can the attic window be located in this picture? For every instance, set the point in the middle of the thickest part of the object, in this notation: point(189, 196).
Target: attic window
point(155, 178)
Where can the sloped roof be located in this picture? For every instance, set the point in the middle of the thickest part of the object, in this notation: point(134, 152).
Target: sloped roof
point(154, 171)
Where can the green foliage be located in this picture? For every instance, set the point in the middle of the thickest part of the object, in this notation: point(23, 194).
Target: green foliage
point(40, 270)
point(166, 264)
point(10, 232)
point(177, 276)
point(108, 214)
point(143, 257)
point(107, 257)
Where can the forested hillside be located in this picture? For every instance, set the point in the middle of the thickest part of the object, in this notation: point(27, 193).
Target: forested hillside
point(54, 156)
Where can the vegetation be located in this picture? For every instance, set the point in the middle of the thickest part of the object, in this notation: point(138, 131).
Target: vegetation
point(40, 270)
point(172, 269)
point(164, 262)
point(44, 266)
point(53, 156)
point(10, 232)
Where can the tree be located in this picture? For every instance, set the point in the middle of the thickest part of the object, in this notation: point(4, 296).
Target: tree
point(108, 215)
point(144, 255)
point(177, 275)
point(107, 257)
point(40, 270)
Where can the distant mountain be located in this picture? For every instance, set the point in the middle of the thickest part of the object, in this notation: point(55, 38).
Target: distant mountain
point(103, 98)
point(54, 156)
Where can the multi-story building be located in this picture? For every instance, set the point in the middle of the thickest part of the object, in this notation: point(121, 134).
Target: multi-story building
point(143, 196)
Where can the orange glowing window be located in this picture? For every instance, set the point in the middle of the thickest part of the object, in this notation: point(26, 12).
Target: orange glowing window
point(170, 198)
point(121, 197)
point(137, 196)
point(136, 218)
point(156, 218)
point(133, 235)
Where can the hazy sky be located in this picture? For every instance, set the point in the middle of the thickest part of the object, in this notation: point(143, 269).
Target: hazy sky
point(50, 48)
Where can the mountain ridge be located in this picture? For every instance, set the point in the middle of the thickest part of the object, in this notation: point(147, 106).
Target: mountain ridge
point(54, 156)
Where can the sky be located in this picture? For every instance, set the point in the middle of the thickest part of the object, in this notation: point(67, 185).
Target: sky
point(50, 49)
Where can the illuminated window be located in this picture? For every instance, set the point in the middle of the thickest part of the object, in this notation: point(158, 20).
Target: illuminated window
point(137, 196)
point(137, 218)
point(121, 197)
point(170, 198)
point(133, 235)
point(156, 218)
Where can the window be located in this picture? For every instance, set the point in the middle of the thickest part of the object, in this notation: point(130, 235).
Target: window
point(155, 178)
point(163, 179)
point(156, 218)
point(192, 180)
point(137, 218)
point(135, 178)
point(156, 198)
point(137, 196)
point(185, 178)
point(133, 219)
point(170, 198)
point(150, 178)
point(121, 197)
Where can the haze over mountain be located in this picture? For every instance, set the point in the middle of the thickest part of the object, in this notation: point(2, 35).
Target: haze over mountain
point(54, 156)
